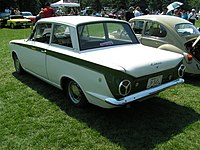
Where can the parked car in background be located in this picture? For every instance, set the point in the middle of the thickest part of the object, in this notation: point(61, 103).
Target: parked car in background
point(4, 14)
point(96, 60)
point(28, 15)
point(165, 32)
point(13, 21)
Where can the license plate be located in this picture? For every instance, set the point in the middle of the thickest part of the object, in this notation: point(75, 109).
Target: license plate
point(152, 82)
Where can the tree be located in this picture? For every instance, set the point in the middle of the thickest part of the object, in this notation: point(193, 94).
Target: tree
point(96, 5)
point(35, 5)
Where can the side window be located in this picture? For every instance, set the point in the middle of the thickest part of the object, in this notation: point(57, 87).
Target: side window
point(137, 26)
point(42, 33)
point(155, 29)
point(61, 35)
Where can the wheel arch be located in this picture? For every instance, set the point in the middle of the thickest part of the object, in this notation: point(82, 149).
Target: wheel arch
point(63, 81)
point(13, 54)
point(66, 81)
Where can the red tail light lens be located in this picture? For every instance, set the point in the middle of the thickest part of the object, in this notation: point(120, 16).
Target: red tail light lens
point(189, 57)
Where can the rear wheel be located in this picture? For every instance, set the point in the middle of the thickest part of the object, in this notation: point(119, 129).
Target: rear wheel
point(75, 94)
point(17, 65)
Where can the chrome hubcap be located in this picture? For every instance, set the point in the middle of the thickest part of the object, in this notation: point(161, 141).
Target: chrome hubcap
point(75, 92)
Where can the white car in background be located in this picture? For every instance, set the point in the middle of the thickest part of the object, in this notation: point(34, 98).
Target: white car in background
point(28, 15)
point(96, 60)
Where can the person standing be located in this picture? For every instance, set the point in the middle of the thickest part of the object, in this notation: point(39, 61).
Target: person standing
point(7, 10)
point(48, 11)
point(16, 11)
point(184, 15)
point(177, 12)
point(12, 11)
point(164, 12)
point(137, 12)
point(129, 14)
point(192, 16)
point(39, 15)
point(59, 12)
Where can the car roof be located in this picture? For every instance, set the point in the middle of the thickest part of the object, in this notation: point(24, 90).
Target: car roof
point(26, 12)
point(164, 19)
point(75, 20)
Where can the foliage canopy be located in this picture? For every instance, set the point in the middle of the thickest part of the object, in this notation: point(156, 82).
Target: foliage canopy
point(35, 5)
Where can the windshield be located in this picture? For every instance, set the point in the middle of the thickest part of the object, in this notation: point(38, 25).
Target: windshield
point(101, 34)
point(186, 29)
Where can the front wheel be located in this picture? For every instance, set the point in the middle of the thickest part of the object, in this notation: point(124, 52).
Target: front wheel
point(17, 65)
point(75, 94)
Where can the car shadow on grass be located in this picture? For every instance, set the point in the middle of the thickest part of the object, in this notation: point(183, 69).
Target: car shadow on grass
point(193, 80)
point(142, 126)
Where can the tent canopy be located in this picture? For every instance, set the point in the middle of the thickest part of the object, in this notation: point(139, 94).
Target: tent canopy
point(67, 4)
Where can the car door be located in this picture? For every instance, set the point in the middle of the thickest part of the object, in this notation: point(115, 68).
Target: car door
point(154, 34)
point(58, 61)
point(36, 50)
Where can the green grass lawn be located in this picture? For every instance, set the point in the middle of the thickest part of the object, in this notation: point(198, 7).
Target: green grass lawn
point(197, 23)
point(35, 115)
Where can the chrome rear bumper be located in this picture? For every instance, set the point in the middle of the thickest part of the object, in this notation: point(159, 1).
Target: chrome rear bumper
point(137, 96)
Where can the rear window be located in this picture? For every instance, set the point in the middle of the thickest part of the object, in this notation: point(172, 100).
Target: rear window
point(96, 35)
point(186, 29)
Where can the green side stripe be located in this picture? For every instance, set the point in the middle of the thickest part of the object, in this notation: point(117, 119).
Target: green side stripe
point(90, 65)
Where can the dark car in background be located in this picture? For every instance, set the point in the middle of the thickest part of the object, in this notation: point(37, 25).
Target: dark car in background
point(2, 16)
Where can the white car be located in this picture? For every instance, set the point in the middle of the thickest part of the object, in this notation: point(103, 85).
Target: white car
point(96, 60)
point(28, 15)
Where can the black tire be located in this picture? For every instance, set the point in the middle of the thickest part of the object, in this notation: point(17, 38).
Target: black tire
point(75, 95)
point(17, 65)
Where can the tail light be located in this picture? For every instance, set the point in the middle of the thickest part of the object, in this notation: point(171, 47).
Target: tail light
point(189, 57)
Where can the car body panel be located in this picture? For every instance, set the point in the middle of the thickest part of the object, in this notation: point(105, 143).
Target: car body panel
point(98, 71)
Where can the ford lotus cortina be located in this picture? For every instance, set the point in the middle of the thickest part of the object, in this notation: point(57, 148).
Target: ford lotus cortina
point(96, 60)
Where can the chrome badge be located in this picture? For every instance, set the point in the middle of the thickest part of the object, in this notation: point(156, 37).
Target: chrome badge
point(124, 87)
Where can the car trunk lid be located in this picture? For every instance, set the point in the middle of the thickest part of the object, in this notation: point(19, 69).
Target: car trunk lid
point(137, 60)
